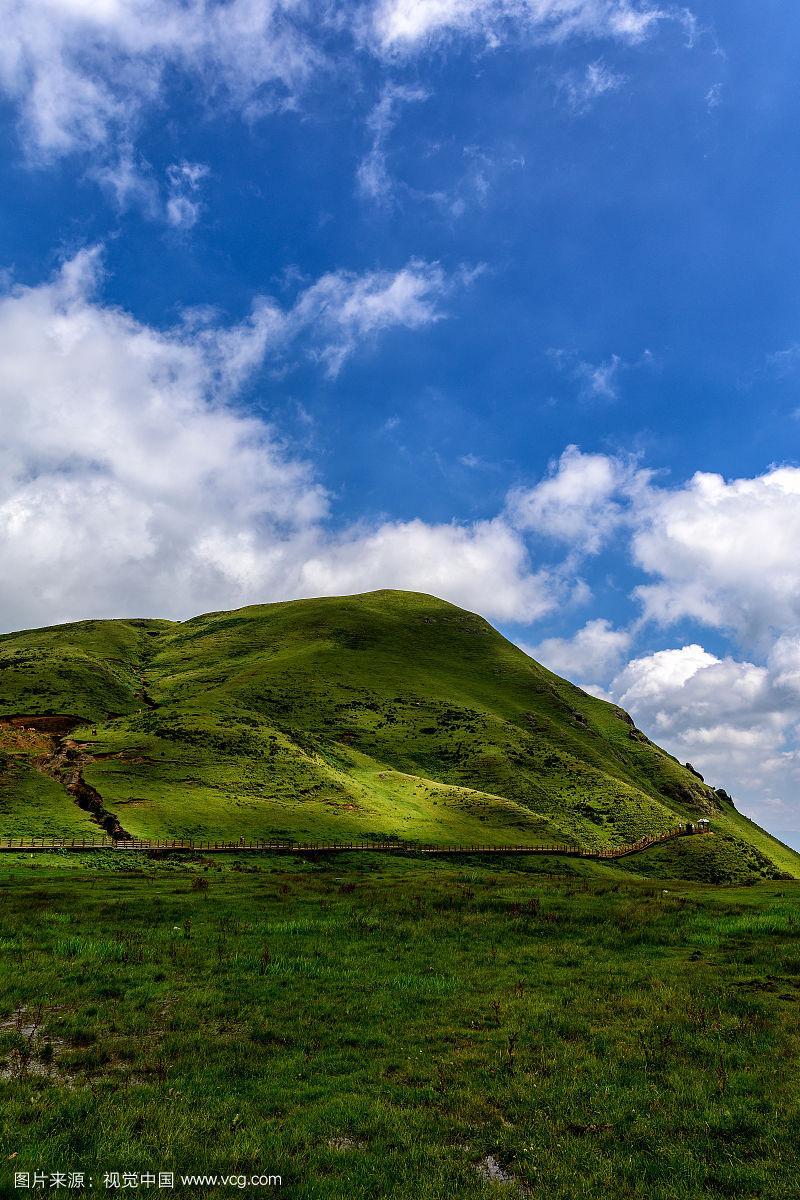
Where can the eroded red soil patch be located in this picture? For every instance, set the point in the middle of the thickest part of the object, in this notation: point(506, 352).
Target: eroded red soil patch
point(57, 725)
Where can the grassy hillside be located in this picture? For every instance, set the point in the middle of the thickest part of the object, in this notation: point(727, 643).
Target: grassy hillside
point(390, 712)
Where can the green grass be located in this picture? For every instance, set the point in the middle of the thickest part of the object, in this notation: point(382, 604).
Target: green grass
point(381, 1028)
point(89, 669)
point(37, 806)
point(386, 713)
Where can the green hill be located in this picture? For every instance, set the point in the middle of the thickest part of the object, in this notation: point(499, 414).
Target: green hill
point(386, 713)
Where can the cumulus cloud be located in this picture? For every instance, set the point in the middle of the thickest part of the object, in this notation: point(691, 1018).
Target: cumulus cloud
point(114, 455)
point(129, 484)
point(590, 655)
point(733, 720)
point(403, 25)
point(723, 552)
point(483, 565)
point(784, 666)
point(720, 552)
point(582, 501)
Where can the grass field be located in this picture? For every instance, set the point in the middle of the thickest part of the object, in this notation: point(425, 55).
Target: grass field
point(396, 1028)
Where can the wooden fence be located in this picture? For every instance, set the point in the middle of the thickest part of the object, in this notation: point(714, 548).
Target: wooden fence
point(390, 846)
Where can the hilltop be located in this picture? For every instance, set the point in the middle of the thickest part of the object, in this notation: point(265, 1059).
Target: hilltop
point(387, 713)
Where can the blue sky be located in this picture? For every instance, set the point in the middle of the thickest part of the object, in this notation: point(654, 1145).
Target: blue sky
point(497, 299)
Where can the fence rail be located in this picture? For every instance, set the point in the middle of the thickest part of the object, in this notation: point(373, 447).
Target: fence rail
point(390, 846)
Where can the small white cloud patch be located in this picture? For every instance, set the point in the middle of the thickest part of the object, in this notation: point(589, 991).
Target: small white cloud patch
point(183, 205)
point(373, 176)
point(582, 90)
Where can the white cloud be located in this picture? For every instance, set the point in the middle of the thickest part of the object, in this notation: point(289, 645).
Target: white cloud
point(714, 97)
point(344, 310)
point(114, 456)
point(483, 565)
point(720, 552)
point(129, 485)
point(724, 553)
point(399, 25)
point(183, 206)
point(601, 380)
point(734, 721)
point(784, 362)
point(129, 182)
point(373, 176)
point(589, 656)
point(81, 71)
point(582, 501)
point(329, 320)
point(582, 90)
point(784, 666)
